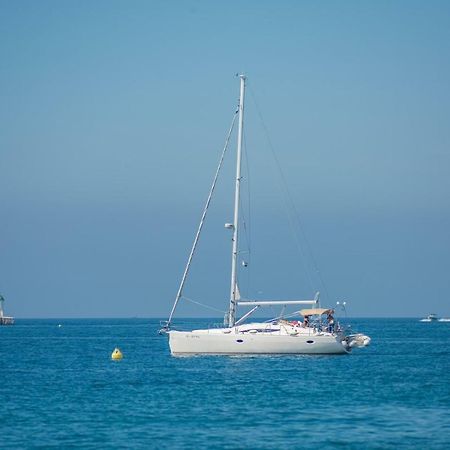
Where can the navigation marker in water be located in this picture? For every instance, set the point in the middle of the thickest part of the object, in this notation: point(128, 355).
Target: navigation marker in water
point(116, 354)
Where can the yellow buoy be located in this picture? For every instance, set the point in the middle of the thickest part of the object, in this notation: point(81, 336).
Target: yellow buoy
point(116, 354)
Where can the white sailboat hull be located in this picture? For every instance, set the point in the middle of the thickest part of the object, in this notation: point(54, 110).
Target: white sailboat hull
point(201, 342)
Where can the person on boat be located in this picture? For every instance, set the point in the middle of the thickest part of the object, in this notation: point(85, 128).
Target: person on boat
point(306, 322)
point(330, 320)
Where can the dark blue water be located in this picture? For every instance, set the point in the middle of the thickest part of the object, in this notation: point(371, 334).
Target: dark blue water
point(59, 388)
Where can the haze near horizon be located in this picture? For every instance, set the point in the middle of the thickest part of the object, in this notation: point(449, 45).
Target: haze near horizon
point(114, 116)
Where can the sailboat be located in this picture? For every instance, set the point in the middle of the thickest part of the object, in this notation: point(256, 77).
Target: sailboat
point(276, 336)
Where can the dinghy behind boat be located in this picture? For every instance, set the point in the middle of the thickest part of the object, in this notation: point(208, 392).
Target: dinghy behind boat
point(357, 340)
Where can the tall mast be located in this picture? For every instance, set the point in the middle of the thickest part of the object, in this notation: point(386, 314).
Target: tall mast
point(234, 256)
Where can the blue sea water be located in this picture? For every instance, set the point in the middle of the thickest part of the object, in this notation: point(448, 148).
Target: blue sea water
point(59, 388)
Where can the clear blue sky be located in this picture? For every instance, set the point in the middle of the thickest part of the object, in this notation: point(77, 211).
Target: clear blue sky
point(113, 115)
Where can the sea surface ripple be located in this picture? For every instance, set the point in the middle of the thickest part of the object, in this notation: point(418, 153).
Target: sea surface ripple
point(59, 388)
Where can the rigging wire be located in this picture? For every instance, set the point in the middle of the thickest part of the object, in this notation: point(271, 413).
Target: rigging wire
point(246, 223)
point(202, 221)
point(293, 214)
point(202, 304)
point(247, 168)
